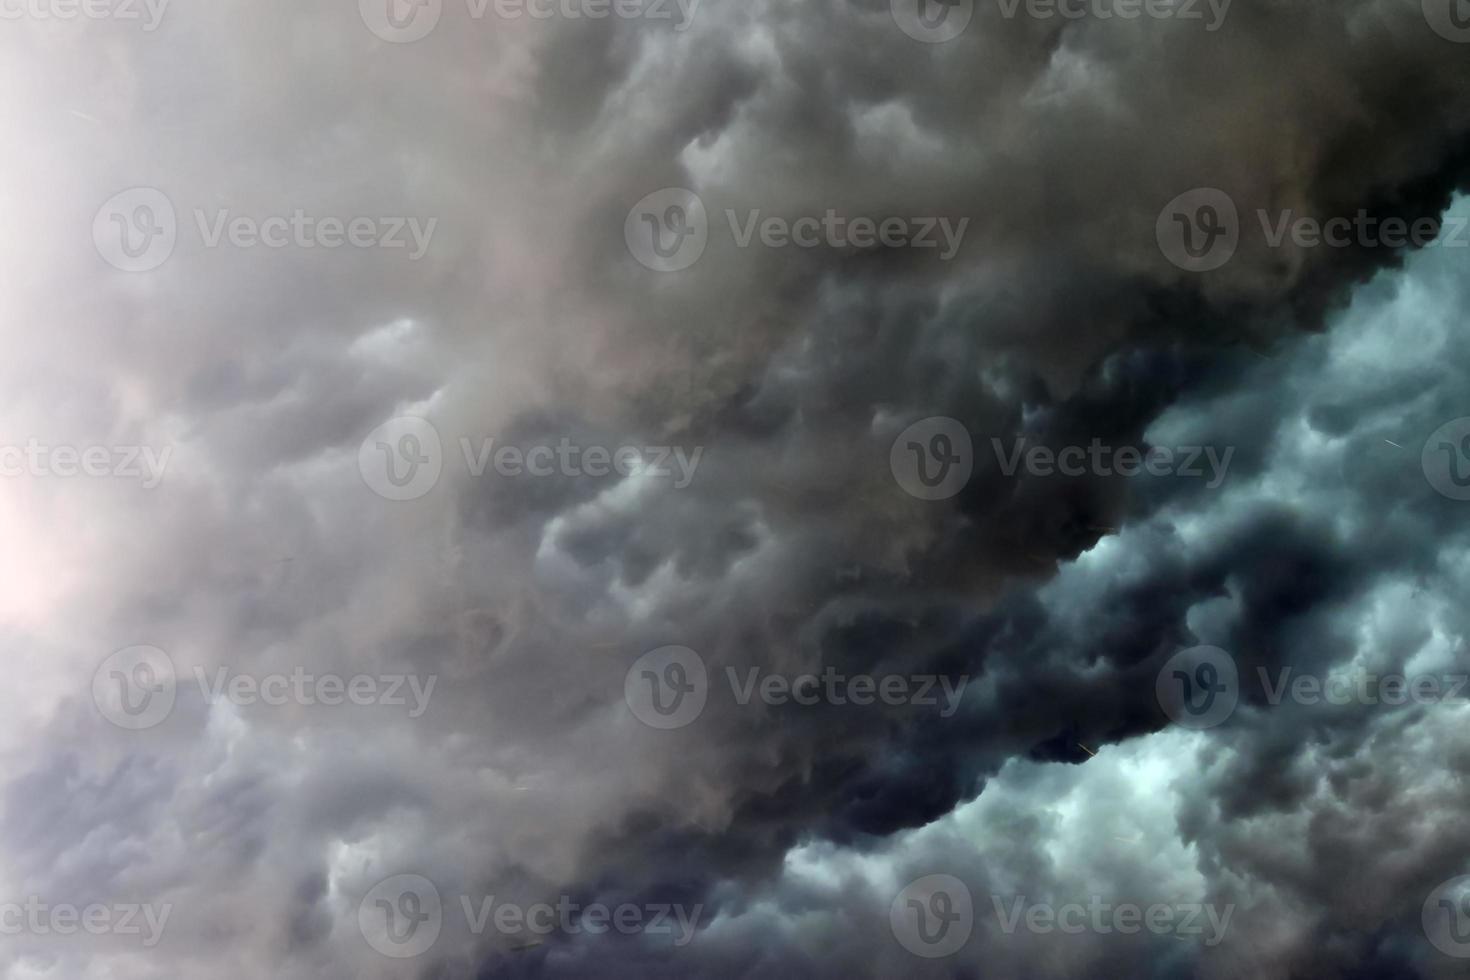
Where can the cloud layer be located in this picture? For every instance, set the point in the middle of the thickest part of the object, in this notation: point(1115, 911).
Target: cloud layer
point(526, 772)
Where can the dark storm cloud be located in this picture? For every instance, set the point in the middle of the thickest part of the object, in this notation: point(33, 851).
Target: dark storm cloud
point(1059, 320)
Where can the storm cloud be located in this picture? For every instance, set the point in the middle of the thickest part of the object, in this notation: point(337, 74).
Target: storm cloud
point(468, 483)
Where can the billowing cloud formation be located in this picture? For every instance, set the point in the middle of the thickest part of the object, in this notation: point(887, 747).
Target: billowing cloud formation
point(490, 626)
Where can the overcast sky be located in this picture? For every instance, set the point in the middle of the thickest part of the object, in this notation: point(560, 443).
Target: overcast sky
point(714, 489)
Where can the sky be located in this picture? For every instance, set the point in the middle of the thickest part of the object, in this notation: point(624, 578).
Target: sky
point(711, 489)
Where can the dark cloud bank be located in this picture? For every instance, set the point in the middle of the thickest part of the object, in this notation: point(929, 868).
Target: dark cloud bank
point(792, 828)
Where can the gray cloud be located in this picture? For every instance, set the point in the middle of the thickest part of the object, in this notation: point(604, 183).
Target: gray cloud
point(528, 320)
